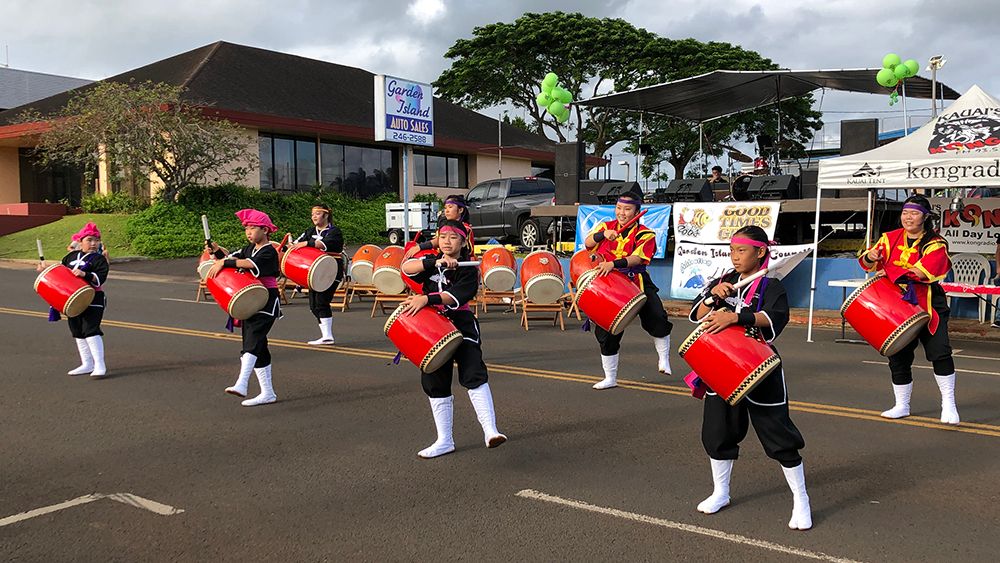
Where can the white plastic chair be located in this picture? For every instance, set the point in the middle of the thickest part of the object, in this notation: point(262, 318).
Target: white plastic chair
point(973, 269)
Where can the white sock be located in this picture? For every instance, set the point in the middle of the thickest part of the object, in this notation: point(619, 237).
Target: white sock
point(610, 365)
point(247, 362)
point(86, 359)
point(444, 411)
point(722, 471)
point(949, 412)
point(801, 512)
point(482, 401)
point(902, 407)
point(266, 391)
point(663, 351)
point(96, 345)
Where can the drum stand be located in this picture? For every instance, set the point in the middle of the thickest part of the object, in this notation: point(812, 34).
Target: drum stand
point(393, 299)
point(528, 307)
point(487, 297)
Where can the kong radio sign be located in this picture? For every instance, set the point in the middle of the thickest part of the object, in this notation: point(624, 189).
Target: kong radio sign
point(976, 228)
point(404, 111)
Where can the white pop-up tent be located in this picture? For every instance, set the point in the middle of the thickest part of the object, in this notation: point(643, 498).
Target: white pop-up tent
point(959, 148)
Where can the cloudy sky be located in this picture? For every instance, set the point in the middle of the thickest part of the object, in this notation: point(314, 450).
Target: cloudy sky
point(99, 38)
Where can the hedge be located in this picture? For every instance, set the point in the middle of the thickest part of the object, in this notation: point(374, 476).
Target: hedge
point(173, 230)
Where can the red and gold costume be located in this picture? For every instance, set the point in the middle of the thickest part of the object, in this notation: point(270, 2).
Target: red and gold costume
point(639, 241)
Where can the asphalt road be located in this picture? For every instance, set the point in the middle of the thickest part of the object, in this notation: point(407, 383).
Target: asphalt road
point(330, 472)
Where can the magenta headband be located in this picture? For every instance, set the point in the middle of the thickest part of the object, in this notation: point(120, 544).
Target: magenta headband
point(747, 241)
point(457, 231)
point(916, 207)
point(454, 202)
point(629, 200)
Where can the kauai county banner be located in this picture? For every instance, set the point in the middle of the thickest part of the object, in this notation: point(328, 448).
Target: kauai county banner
point(404, 111)
point(695, 265)
point(657, 219)
point(715, 223)
point(975, 229)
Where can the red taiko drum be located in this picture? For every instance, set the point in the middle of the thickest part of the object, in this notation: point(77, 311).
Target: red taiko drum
point(363, 264)
point(498, 268)
point(428, 339)
point(583, 261)
point(542, 277)
point(310, 267)
point(729, 362)
point(387, 276)
point(877, 311)
point(420, 254)
point(611, 301)
point(238, 293)
point(62, 290)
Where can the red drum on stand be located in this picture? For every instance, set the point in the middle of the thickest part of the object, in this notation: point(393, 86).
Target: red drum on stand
point(205, 264)
point(310, 267)
point(238, 293)
point(363, 264)
point(610, 301)
point(413, 285)
point(542, 277)
point(583, 261)
point(387, 276)
point(498, 268)
point(877, 311)
point(730, 362)
point(64, 291)
point(428, 339)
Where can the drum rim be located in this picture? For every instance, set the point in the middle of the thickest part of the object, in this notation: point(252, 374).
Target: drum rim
point(632, 303)
point(686, 345)
point(392, 318)
point(755, 377)
point(584, 285)
point(921, 317)
point(245, 289)
point(312, 270)
point(431, 354)
point(41, 275)
point(854, 294)
point(76, 295)
point(198, 269)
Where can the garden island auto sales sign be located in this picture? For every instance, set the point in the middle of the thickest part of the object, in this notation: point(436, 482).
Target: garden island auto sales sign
point(404, 111)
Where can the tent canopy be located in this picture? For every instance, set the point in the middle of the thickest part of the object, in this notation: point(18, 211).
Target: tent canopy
point(725, 92)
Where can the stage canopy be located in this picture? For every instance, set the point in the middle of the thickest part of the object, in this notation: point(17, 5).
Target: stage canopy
point(725, 92)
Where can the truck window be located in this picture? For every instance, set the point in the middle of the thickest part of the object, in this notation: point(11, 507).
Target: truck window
point(476, 193)
point(494, 191)
point(536, 186)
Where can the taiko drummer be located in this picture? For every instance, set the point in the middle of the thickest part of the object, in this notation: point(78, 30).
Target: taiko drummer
point(450, 288)
point(260, 258)
point(760, 306)
point(327, 237)
point(455, 209)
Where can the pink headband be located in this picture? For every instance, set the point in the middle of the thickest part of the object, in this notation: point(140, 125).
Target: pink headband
point(457, 231)
point(88, 230)
point(749, 242)
point(254, 218)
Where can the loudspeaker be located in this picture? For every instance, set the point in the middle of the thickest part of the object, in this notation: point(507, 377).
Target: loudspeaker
point(807, 183)
point(858, 135)
point(773, 187)
point(589, 190)
point(569, 172)
point(765, 142)
point(687, 189)
point(608, 193)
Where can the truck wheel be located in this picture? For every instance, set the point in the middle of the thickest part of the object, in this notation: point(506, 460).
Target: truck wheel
point(395, 237)
point(529, 232)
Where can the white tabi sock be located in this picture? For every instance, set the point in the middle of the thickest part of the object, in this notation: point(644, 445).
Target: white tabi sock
point(239, 389)
point(949, 412)
point(326, 331)
point(722, 471)
point(267, 395)
point(663, 351)
point(801, 512)
point(444, 413)
point(482, 401)
point(902, 407)
point(96, 345)
point(86, 359)
point(610, 365)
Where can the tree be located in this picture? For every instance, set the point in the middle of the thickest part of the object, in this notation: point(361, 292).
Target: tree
point(144, 130)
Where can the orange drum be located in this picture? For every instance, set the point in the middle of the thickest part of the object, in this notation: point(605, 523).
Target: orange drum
point(729, 362)
point(428, 339)
point(877, 311)
point(498, 268)
point(542, 277)
point(238, 293)
point(310, 267)
point(62, 290)
point(205, 264)
point(583, 261)
point(363, 264)
point(386, 275)
point(611, 301)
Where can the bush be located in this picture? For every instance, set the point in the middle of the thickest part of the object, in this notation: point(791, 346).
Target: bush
point(173, 230)
point(112, 203)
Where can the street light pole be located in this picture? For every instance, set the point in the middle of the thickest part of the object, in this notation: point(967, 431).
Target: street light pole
point(936, 62)
point(624, 163)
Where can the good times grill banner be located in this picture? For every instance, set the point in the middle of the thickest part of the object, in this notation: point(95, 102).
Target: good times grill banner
point(975, 229)
point(715, 223)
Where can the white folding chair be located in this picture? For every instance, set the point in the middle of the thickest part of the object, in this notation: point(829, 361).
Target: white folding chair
point(972, 269)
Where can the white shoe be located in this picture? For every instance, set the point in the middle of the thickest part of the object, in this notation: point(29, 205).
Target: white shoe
point(482, 401)
point(96, 345)
point(86, 359)
point(801, 512)
point(722, 471)
point(267, 395)
point(949, 412)
point(444, 413)
point(902, 407)
point(610, 365)
point(663, 351)
point(326, 329)
point(243, 379)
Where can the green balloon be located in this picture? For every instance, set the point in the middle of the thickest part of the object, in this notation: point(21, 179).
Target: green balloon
point(564, 96)
point(900, 72)
point(543, 100)
point(550, 79)
point(547, 89)
point(912, 66)
point(884, 77)
point(892, 82)
point(563, 117)
point(890, 61)
point(555, 108)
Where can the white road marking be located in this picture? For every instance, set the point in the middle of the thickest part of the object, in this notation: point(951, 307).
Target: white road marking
point(762, 544)
point(187, 301)
point(932, 367)
point(975, 357)
point(124, 498)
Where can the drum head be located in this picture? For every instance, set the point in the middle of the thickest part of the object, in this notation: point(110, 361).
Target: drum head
point(389, 280)
point(442, 353)
point(361, 272)
point(77, 303)
point(904, 334)
point(323, 273)
point(204, 267)
point(740, 188)
point(499, 278)
point(247, 301)
point(628, 314)
point(544, 288)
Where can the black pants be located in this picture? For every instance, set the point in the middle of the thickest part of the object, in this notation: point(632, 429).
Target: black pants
point(937, 349)
point(255, 330)
point(319, 302)
point(469, 357)
point(766, 406)
point(88, 323)
point(652, 317)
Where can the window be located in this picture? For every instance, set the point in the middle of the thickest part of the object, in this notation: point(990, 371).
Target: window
point(443, 171)
point(477, 193)
point(537, 186)
point(289, 165)
point(332, 157)
point(266, 164)
point(284, 164)
point(305, 165)
point(494, 191)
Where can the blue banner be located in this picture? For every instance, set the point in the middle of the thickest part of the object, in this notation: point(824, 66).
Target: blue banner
point(657, 219)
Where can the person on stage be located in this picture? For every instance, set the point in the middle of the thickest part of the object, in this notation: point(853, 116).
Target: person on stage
point(629, 252)
point(455, 209)
point(762, 309)
point(449, 288)
point(327, 237)
point(260, 258)
point(916, 257)
point(717, 177)
point(89, 263)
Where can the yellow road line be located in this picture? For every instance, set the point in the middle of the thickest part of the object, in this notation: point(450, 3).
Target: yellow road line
point(798, 406)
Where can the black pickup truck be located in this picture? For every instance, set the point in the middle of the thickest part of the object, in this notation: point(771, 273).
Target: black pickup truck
point(501, 209)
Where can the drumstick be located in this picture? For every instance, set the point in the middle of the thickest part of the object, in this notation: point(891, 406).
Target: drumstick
point(284, 241)
point(41, 255)
point(204, 227)
point(710, 300)
point(632, 221)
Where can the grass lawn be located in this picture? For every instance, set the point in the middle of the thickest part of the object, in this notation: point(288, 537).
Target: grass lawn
point(56, 236)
